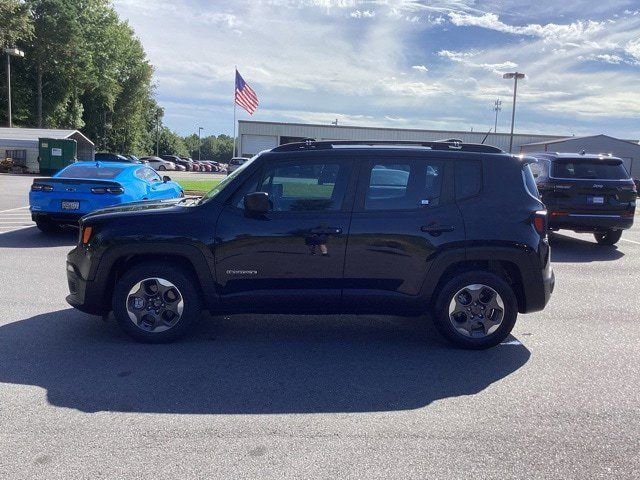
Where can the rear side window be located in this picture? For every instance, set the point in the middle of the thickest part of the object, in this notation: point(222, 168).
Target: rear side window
point(529, 180)
point(589, 169)
point(468, 178)
point(90, 172)
point(403, 186)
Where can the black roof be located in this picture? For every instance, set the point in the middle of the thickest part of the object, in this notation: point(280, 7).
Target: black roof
point(448, 145)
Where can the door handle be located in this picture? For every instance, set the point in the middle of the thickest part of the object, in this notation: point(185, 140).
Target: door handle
point(327, 231)
point(437, 229)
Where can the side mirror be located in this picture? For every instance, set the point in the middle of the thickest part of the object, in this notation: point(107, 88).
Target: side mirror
point(166, 179)
point(257, 202)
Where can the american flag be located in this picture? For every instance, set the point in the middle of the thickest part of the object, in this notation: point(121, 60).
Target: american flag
point(245, 96)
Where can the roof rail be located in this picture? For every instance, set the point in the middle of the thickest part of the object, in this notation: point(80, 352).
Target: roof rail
point(452, 144)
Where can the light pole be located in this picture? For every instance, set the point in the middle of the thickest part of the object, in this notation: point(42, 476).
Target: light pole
point(515, 76)
point(497, 106)
point(199, 142)
point(11, 52)
point(157, 132)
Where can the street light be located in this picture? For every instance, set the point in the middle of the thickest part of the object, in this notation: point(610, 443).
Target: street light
point(199, 142)
point(515, 76)
point(11, 52)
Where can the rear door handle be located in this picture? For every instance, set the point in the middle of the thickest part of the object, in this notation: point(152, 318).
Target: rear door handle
point(437, 229)
point(327, 231)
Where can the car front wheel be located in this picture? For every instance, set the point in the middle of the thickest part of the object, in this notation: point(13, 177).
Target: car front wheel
point(156, 303)
point(610, 237)
point(162, 167)
point(475, 310)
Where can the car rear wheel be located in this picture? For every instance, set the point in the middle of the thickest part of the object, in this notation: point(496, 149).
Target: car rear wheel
point(162, 167)
point(475, 310)
point(610, 237)
point(156, 303)
point(47, 226)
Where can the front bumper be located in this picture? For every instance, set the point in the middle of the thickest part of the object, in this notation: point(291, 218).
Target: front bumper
point(86, 290)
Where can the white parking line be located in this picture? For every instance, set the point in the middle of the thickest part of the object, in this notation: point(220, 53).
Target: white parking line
point(630, 241)
point(512, 342)
point(14, 209)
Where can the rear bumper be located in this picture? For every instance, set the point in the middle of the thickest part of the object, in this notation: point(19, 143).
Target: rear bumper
point(590, 222)
point(59, 218)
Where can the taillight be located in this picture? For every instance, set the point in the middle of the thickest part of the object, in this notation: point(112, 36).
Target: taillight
point(539, 222)
point(113, 190)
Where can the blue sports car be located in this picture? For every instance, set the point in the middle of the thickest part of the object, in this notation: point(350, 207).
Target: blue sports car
point(83, 187)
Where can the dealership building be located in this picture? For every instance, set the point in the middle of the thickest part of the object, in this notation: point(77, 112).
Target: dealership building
point(254, 137)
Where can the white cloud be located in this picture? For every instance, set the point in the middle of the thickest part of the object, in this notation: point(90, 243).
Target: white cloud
point(420, 68)
point(466, 58)
point(560, 33)
point(362, 14)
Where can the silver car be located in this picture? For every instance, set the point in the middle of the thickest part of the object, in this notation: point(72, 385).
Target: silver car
point(159, 164)
point(234, 163)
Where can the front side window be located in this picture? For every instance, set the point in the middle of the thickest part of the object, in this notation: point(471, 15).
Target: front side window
point(403, 185)
point(305, 186)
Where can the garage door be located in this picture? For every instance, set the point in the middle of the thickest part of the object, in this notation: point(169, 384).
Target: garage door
point(252, 144)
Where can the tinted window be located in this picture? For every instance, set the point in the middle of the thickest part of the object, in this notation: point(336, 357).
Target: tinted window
point(403, 186)
point(468, 178)
point(90, 172)
point(305, 186)
point(589, 169)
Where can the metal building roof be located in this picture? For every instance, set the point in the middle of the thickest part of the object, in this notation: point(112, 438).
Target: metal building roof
point(33, 134)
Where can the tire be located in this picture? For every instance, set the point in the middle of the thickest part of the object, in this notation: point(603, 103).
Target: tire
point(475, 339)
point(47, 226)
point(138, 279)
point(610, 237)
point(162, 168)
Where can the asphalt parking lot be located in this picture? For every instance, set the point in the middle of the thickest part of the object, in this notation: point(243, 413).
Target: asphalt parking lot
point(313, 397)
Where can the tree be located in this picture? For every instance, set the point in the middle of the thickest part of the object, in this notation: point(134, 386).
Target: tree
point(171, 143)
point(15, 23)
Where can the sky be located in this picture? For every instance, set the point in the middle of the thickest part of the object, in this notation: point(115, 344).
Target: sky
point(402, 64)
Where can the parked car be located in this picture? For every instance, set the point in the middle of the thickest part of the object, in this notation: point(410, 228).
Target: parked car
point(113, 157)
point(178, 161)
point(587, 193)
point(159, 164)
point(83, 187)
point(234, 163)
point(200, 166)
point(135, 159)
point(309, 228)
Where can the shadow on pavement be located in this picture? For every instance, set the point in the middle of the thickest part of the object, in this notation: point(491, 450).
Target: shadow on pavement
point(247, 365)
point(576, 250)
point(34, 238)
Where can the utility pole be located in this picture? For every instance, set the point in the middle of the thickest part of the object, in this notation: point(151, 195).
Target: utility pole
point(199, 143)
point(515, 76)
point(157, 132)
point(15, 53)
point(497, 106)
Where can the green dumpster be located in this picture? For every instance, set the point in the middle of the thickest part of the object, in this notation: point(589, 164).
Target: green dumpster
point(56, 154)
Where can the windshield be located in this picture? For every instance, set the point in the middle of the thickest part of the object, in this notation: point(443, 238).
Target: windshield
point(590, 169)
point(90, 172)
point(218, 188)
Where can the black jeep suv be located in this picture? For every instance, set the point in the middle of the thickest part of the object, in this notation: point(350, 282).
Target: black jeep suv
point(329, 227)
point(586, 193)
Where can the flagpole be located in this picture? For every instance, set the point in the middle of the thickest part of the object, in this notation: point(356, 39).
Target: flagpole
point(234, 110)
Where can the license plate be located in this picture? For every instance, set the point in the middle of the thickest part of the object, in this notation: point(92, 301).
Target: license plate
point(597, 200)
point(70, 205)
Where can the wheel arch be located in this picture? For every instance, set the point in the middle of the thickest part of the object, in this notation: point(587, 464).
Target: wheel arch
point(116, 261)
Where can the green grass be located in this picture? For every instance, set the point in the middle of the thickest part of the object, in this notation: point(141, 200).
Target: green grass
point(197, 187)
